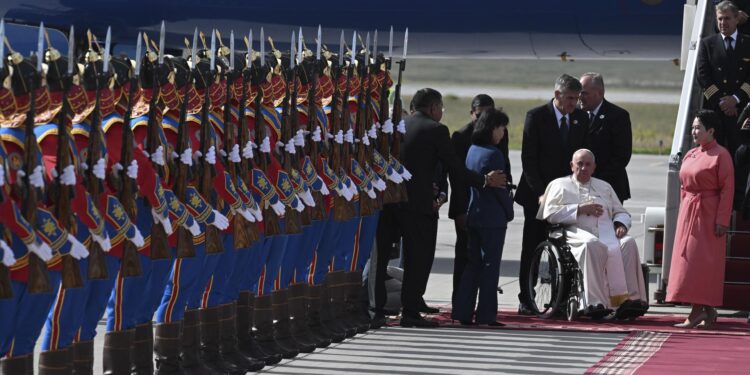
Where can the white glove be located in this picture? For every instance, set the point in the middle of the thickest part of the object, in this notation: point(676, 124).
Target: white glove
point(103, 242)
point(41, 249)
point(194, 229)
point(68, 176)
point(316, 134)
point(222, 153)
point(378, 183)
point(265, 146)
point(234, 156)
point(8, 258)
point(388, 127)
point(349, 136)
point(158, 156)
point(77, 250)
point(247, 215)
point(278, 208)
point(133, 169)
point(299, 138)
point(299, 207)
point(401, 127)
point(323, 187)
point(255, 210)
point(339, 138)
point(344, 191)
point(187, 157)
point(247, 151)
point(220, 221)
point(373, 132)
point(289, 147)
point(137, 238)
point(307, 198)
point(211, 155)
point(353, 189)
point(164, 221)
point(36, 179)
point(100, 169)
point(371, 193)
point(2, 174)
point(393, 176)
point(366, 140)
point(406, 174)
point(174, 156)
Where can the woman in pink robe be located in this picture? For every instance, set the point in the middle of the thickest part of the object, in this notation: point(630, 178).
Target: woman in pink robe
point(707, 177)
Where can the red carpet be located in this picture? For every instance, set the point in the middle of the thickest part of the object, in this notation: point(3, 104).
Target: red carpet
point(664, 353)
point(649, 322)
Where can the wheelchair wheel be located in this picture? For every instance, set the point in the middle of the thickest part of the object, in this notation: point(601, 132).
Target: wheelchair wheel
point(546, 283)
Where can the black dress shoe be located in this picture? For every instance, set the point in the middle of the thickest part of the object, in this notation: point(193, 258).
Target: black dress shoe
point(377, 321)
point(493, 324)
point(412, 321)
point(429, 310)
point(525, 310)
point(597, 312)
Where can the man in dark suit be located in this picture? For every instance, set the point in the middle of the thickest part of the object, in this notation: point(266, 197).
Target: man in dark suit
point(610, 135)
point(427, 143)
point(723, 73)
point(551, 134)
point(459, 199)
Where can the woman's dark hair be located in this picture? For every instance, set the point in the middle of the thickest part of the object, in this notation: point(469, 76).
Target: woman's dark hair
point(709, 119)
point(487, 122)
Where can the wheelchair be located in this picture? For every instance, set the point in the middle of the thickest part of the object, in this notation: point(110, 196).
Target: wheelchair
point(555, 283)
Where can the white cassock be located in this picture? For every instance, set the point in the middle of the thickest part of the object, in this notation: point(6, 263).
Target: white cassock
point(611, 266)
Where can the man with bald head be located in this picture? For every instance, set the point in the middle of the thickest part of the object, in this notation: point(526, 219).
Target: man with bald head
point(596, 227)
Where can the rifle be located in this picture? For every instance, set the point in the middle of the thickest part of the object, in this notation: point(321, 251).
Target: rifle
point(207, 171)
point(391, 194)
point(362, 120)
point(396, 116)
point(299, 156)
point(319, 211)
point(185, 247)
point(272, 226)
point(242, 237)
point(293, 221)
point(342, 209)
point(159, 244)
point(6, 290)
point(38, 281)
point(346, 123)
point(71, 271)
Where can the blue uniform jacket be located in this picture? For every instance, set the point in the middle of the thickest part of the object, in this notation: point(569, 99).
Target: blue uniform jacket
point(488, 207)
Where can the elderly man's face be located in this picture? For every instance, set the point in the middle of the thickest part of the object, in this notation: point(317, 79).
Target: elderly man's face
point(591, 95)
point(583, 166)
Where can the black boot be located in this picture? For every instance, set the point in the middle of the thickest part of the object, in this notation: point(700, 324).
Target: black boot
point(282, 327)
point(312, 317)
point(328, 318)
point(337, 287)
point(265, 334)
point(298, 311)
point(167, 348)
point(356, 307)
point(116, 357)
point(210, 343)
point(318, 303)
point(247, 344)
point(228, 334)
point(83, 357)
point(14, 365)
point(143, 349)
point(54, 362)
point(191, 361)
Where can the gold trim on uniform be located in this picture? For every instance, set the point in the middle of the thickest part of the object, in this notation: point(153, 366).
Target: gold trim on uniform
point(711, 91)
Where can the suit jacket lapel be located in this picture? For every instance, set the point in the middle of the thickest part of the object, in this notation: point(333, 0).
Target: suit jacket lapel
point(596, 122)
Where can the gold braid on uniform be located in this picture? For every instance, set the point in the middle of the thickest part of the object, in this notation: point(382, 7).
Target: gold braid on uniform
point(746, 88)
point(712, 90)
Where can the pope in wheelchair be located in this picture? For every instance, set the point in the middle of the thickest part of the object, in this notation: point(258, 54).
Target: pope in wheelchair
point(602, 276)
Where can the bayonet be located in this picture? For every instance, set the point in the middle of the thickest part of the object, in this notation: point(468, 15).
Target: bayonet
point(2, 44)
point(107, 45)
point(211, 52)
point(40, 48)
point(367, 51)
point(320, 42)
point(291, 53)
point(194, 51)
point(354, 48)
point(138, 58)
point(390, 44)
point(375, 46)
point(161, 43)
point(71, 51)
point(231, 51)
point(341, 49)
point(299, 47)
point(406, 41)
point(262, 49)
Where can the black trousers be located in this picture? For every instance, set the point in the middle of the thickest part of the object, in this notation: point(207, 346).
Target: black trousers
point(420, 239)
point(388, 237)
point(534, 232)
point(460, 258)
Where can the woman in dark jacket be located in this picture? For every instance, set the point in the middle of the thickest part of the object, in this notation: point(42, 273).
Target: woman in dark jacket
point(490, 210)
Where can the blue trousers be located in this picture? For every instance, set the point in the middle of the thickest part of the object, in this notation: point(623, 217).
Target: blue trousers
point(258, 264)
point(318, 268)
point(363, 243)
point(267, 283)
point(196, 296)
point(227, 285)
point(297, 249)
point(182, 281)
point(214, 293)
point(481, 274)
point(66, 314)
point(155, 285)
point(126, 300)
point(30, 314)
point(97, 300)
point(345, 247)
point(302, 264)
